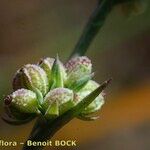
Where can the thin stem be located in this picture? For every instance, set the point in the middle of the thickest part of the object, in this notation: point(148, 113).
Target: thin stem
point(94, 24)
point(92, 27)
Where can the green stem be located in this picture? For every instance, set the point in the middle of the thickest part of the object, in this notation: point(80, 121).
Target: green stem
point(94, 24)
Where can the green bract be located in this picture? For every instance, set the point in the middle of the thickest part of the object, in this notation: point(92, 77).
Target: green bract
point(50, 88)
point(58, 101)
point(58, 74)
point(87, 89)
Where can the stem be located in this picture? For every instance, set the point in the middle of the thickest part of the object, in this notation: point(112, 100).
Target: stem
point(94, 24)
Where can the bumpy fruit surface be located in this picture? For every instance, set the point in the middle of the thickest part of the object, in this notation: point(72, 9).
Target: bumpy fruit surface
point(50, 88)
point(23, 100)
point(77, 68)
point(30, 77)
point(60, 98)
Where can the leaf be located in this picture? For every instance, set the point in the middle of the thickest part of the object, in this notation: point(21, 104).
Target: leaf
point(89, 99)
point(66, 106)
point(57, 73)
point(79, 84)
point(52, 111)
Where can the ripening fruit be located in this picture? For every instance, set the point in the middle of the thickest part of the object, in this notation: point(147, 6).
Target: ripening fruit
point(22, 100)
point(30, 77)
point(77, 68)
point(47, 64)
point(51, 89)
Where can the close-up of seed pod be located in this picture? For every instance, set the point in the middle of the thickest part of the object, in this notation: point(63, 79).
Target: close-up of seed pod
point(30, 77)
point(22, 102)
point(77, 68)
point(47, 64)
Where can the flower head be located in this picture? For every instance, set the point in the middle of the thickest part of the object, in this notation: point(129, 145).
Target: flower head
point(50, 88)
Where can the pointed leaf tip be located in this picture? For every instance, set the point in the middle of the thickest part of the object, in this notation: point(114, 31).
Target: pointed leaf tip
point(88, 99)
point(106, 83)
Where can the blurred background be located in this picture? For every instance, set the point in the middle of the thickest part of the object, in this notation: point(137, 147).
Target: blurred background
point(30, 30)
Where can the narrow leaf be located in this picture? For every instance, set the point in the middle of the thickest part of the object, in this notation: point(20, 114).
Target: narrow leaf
point(89, 99)
point(52, 111)
point(66, 106)
point(79, 84)
point(57, 74)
